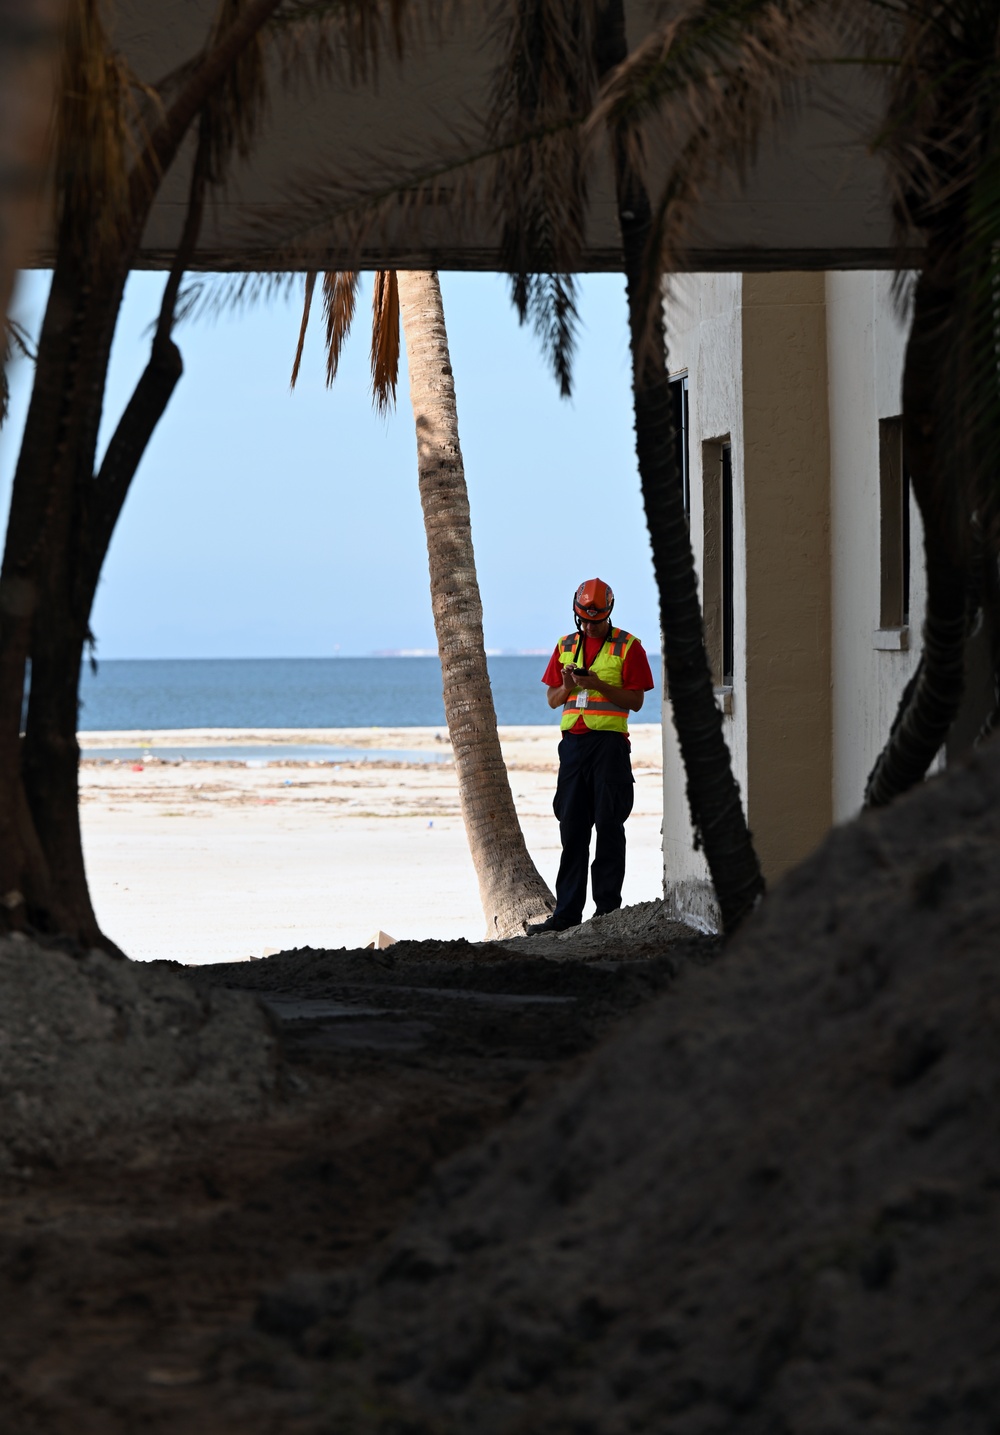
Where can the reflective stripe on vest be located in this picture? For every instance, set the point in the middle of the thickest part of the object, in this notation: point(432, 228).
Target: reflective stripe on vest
point(598, 713)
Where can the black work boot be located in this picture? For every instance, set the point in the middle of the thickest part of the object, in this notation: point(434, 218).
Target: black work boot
point(551, 924)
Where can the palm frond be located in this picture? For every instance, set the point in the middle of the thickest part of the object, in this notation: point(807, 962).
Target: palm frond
point(385, 340)
point(696, 96)
point(340, 293)
point(346, 41)
point(16, 340)
point(236, 109)
point(941, 141)
point(974, 435)
point(209, 296)
point(97, 129)
point(545, 87)
point(306, 307)
point(548, 303)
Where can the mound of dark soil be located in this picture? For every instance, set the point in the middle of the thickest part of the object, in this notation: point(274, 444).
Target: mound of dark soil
point(770, 1203)
point(595, 1182)
point(100, 1056)
point(176, 1149)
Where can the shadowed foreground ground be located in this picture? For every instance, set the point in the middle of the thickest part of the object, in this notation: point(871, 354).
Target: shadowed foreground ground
point(601, 1183)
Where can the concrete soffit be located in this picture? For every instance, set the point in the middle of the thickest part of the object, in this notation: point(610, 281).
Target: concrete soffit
point(814, 199)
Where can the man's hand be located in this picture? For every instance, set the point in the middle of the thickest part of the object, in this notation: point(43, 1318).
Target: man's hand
point(572, 678)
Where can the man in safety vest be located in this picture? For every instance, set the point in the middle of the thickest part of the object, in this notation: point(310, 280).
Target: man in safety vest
point(597, 675)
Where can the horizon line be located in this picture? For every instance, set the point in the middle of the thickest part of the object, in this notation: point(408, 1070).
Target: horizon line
point(320, 657)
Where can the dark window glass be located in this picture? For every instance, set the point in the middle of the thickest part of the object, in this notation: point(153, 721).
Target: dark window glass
point(679, 402)
point(894, 527)
point(727, 566)
point(906, 544)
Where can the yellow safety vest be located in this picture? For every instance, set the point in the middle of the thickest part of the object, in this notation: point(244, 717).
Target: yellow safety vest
point(598, 713)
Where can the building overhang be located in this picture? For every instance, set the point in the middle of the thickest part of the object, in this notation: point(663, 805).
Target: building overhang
point(814, 197)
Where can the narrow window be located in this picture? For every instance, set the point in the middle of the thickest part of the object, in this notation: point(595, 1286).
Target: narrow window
point(894, 527)
point(717, 566)
point(727, 565)
point(679, 404)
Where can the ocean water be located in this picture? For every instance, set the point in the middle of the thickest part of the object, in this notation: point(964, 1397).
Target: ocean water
point(153, 694)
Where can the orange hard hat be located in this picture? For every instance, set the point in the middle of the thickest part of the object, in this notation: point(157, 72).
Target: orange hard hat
point(593, 600)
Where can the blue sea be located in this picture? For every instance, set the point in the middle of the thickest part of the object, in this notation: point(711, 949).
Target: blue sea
point(153, 694)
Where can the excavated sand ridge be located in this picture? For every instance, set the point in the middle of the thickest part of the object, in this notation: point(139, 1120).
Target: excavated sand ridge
point(611, 1181)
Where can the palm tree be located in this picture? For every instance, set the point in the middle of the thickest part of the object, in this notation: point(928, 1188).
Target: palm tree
point(116, 139)
point(558, 55)
point(533, 167)
point(510, 888)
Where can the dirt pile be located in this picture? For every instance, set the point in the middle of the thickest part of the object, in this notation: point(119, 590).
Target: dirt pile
point(769, 1203)
point(137, 1243)
point(596, 1182)
point(98, 1055)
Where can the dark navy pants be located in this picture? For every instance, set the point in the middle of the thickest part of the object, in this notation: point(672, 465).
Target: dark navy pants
point(595, 789)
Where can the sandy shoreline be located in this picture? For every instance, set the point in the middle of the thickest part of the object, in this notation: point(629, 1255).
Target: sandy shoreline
point(205, 861)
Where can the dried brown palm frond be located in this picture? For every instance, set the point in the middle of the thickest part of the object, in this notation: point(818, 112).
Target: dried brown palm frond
point(385, 340)
point(698, 93)
point(306, 310)
point(340, 293)
point(97, 131)
point(343, 211)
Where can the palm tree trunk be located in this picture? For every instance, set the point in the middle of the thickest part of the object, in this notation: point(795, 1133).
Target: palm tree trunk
point(75, 554)
point(511, 890)
point(713, 794)
point(42, 878)
point(62, 518)
point(932, 698)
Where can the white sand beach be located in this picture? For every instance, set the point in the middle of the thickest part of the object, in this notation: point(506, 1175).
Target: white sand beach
point(207, 861)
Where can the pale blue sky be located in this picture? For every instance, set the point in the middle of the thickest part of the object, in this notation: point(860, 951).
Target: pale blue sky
point(269, 524)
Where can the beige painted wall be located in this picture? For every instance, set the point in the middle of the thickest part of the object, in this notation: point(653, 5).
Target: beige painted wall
point(787, 506)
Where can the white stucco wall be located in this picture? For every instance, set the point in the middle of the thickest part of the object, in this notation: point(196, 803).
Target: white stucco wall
point(796, 371)
point(866, 338)
point(704, 337)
